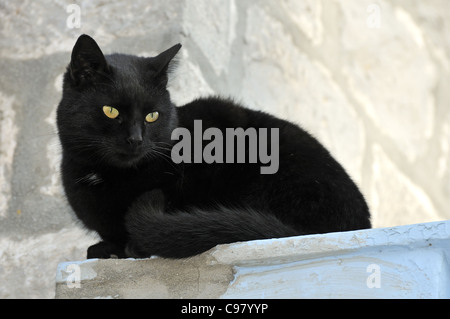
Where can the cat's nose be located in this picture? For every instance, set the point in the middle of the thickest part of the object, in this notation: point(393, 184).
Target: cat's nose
point(135, 138)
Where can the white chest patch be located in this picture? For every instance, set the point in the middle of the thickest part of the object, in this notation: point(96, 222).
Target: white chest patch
point(91, 179)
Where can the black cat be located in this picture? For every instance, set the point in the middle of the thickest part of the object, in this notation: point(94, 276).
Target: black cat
point(116, 124)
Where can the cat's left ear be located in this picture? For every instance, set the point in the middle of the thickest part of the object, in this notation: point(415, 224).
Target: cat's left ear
point(160, 64)
point(87, 62)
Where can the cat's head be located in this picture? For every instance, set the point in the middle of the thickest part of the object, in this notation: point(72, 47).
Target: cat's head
point(116, 109)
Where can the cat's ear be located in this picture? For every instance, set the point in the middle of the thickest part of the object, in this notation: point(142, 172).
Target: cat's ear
point(87, 62)
point(160, 64)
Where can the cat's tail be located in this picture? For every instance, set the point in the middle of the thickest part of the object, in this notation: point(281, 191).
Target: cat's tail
point(185, 234)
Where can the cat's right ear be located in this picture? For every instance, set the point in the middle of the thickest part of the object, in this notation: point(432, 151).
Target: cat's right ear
point(88, 62)
point(159, 65)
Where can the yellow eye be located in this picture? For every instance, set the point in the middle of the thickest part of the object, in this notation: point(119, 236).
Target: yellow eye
point(152, 117)
point(110, 112)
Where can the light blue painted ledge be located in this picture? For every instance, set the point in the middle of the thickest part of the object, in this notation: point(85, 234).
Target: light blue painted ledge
point(410, 261)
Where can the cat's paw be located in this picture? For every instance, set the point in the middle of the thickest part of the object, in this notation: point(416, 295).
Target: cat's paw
point(105, 250)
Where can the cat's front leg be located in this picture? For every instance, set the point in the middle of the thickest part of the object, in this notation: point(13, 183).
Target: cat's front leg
point(100, 207)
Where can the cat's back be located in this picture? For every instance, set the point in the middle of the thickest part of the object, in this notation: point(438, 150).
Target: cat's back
point(214, 112)
point(307, 173)
point(224, 113)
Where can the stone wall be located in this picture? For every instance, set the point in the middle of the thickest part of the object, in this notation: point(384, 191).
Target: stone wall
point(371, 80)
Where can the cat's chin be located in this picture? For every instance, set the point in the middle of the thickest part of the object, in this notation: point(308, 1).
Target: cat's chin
point(125, 160)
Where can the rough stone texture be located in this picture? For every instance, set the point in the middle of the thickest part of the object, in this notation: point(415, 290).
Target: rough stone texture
point(198, 277)
point(370, 79)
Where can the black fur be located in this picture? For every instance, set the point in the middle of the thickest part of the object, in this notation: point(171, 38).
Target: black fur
point(141, 203)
